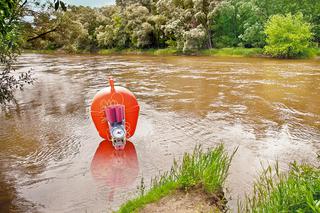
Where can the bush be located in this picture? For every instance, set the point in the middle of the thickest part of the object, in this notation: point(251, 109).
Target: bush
point(288, 36)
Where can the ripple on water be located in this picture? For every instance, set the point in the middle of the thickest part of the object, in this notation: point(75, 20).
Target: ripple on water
point(266, 108)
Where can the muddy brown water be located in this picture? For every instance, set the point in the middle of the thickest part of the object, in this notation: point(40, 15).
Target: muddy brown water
point(52, 159)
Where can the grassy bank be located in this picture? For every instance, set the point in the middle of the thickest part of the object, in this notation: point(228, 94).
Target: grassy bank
point(245, 52)
point(234, 51)
point(225, 52)
point(202, 175)
point(295, 191)
point(166, 51)
point(205, 170)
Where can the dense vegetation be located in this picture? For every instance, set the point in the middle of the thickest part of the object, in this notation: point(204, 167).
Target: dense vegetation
point(183, 25)
point(203, 169)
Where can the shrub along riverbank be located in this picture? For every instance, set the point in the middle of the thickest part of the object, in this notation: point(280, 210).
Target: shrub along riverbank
point(197, 185)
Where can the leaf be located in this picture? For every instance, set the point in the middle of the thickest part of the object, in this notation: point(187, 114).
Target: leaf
point(63, 6)
point(56, 5)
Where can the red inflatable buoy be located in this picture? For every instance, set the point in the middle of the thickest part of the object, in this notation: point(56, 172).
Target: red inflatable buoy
point(115, 111)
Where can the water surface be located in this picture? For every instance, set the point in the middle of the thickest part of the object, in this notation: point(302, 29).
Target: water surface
point(52, 159)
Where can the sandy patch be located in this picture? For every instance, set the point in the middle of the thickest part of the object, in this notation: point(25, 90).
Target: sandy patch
point(194, 200)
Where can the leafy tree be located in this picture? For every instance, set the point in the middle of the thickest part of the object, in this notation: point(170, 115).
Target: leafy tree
point(194, 39)
point(288, 36)
point(309, 8)
point(137, 25)
point(204, 13)
point(237, 23)
point(10, 42)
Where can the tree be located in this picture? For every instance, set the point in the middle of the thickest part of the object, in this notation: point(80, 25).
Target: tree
point(204, 12)
point(194, 39)
point(10, 42)
point(237, 23)
point(288, 36)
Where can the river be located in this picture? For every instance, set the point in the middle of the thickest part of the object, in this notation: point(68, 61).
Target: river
point(52, 159)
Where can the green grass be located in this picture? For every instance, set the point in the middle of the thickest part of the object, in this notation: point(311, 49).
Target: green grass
point(228, 52)
point(236, 51)
point(295, 191)
point(316, 51)
point(165, 51)
point(206, 169)
point(39, 51)
point(233, 51)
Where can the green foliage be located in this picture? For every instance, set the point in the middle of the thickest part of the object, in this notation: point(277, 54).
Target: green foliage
point(288, 36)
point(241, 22)
point(186, 25)
point(207, 169)
point(297, 191)
point(10, 42)
point(194, 39)
point(238, 23)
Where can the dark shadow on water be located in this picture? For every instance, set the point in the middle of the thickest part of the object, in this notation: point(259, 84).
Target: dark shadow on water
point(115, 168)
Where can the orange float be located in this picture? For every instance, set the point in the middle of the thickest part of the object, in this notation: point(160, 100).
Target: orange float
point(115, 112)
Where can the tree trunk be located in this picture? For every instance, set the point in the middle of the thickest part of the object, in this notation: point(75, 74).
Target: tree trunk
point(209, 39)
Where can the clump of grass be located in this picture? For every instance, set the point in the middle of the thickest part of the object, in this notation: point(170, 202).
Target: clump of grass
point(151, 51)
point(316, 51)
point(39, 51)
point(167, 51)
point(108, 51)
point(295, 191)
point(206, 169)
point(233, 51)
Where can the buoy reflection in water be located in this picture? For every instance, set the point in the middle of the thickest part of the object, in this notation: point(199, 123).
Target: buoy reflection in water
point(115, 168)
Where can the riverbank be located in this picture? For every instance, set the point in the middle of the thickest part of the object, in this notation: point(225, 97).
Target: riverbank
point(226, 52)
point(197, 186)
point(238, 52)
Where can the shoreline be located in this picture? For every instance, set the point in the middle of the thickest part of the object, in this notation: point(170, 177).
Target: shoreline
point(195, 184)
point(224, 52)
point(188, 189)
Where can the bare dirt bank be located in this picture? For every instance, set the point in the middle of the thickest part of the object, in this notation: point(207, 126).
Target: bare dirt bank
point(194, 200)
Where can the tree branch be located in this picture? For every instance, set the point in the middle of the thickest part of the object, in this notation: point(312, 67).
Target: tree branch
point(41, 35)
